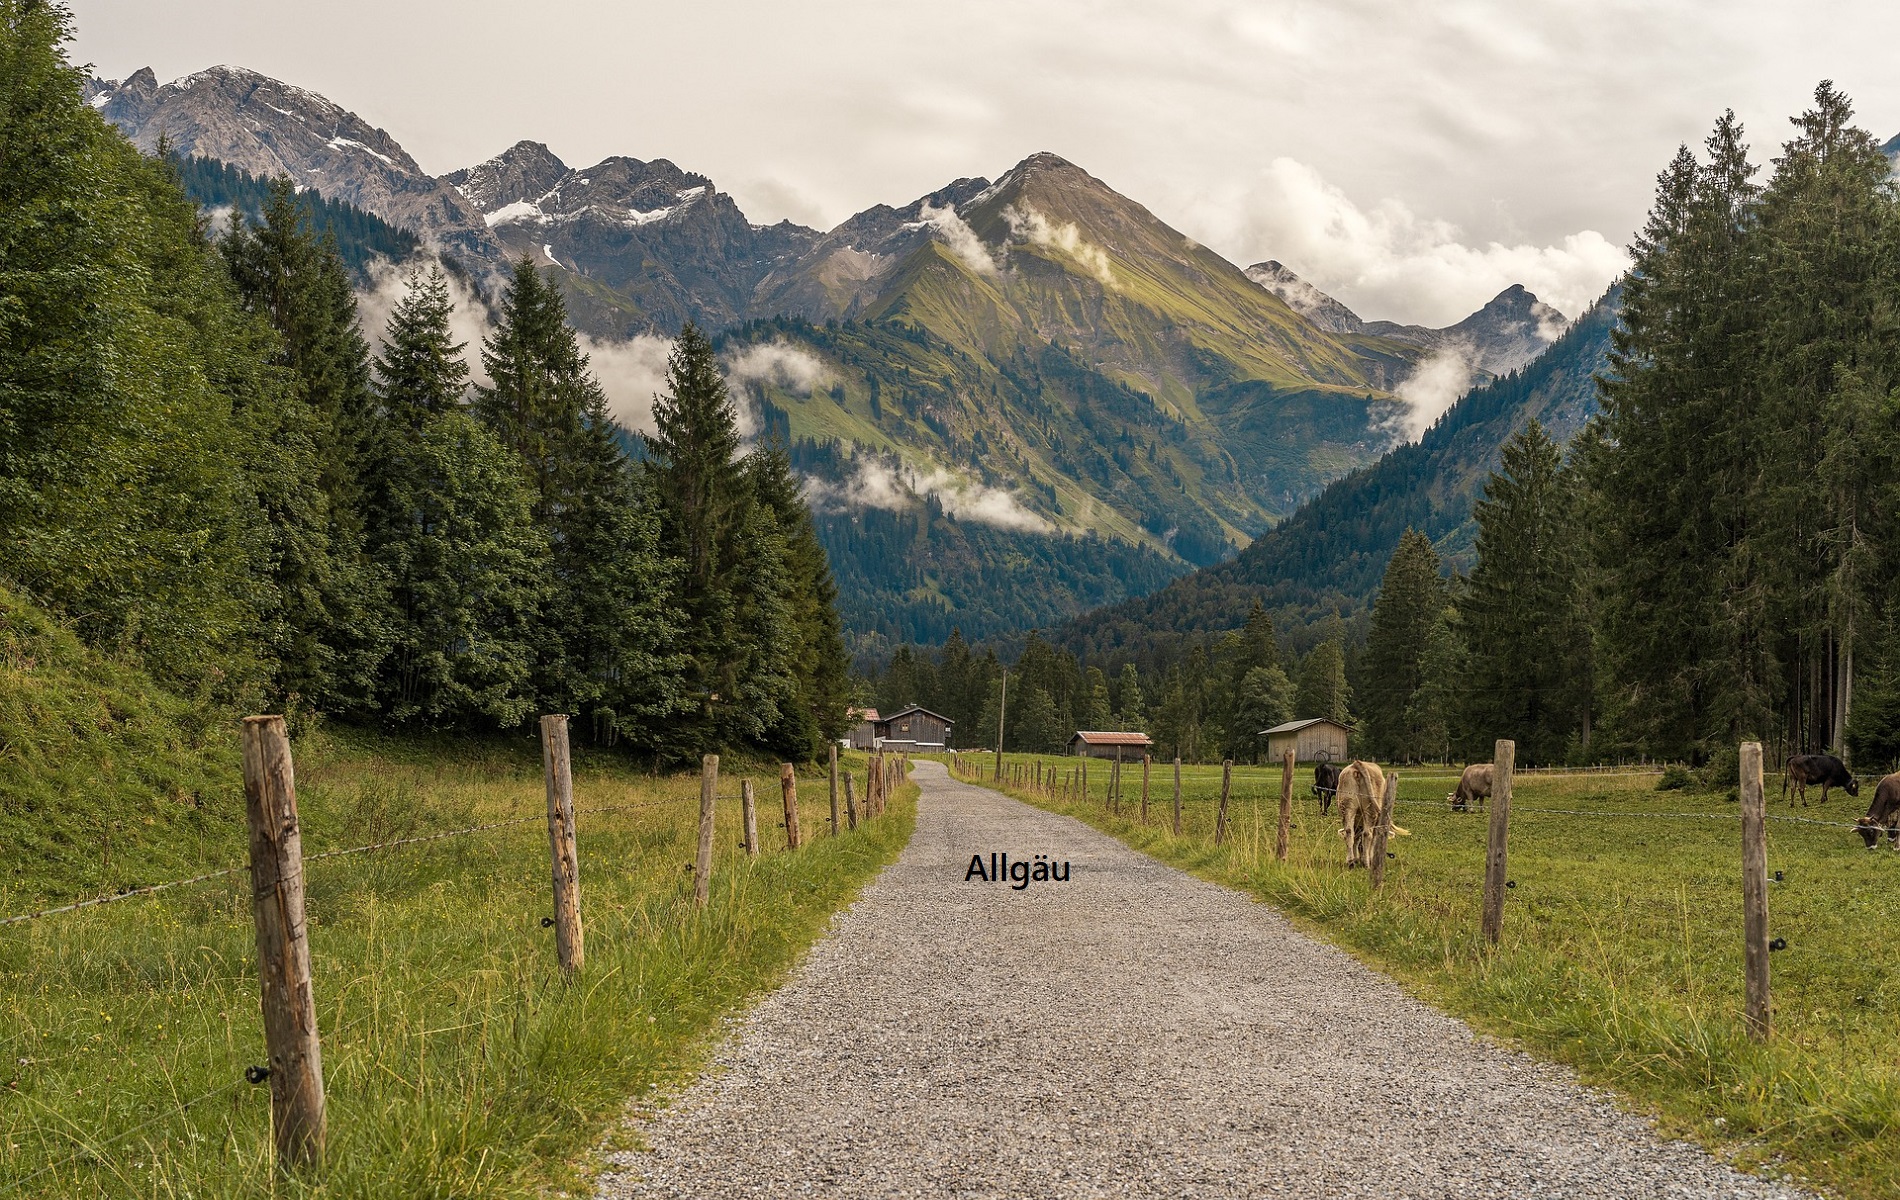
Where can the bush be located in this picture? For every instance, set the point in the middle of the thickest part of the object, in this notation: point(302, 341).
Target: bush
point(1675, 777)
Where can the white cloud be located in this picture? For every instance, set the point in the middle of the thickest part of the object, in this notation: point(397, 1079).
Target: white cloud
point(888, 482)
point(632, 373)
point(1030, 225)
point(1434, 386)
point(1386, 259)
point(777, 364)
point(956, 233)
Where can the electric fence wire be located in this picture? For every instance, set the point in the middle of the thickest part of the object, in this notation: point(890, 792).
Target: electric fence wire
point(98, 1149)
point(149, 889)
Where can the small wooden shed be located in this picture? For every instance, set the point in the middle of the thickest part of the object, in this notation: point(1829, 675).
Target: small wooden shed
point(863, 735)
point(915, 728)
point(1100, 744)
point(1316, 739)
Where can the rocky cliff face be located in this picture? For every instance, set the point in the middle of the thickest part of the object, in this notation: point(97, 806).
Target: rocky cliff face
point(648, 245)
point(271, 128)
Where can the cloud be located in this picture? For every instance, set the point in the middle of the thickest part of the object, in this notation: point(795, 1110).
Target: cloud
point(632, 373)
point(888, 482)
point(389, 283)
point(777, 364)
point(1434, 386)
point(1030, 225)
point(956, 233)
point(1386, 259)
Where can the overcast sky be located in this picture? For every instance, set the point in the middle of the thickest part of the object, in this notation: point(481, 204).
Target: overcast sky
point(1411, 158)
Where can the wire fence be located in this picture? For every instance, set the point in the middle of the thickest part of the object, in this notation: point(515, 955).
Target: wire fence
point(245, 869)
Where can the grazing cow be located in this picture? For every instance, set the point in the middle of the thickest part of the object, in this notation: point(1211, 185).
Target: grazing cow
point(1885, 810)
point(1473, 786)
point(1325, 783)
point(1361, 796)
point(1824, 769)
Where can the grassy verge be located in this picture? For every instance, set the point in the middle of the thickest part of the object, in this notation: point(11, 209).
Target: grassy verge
point(1622, 950)
point(457, 1064)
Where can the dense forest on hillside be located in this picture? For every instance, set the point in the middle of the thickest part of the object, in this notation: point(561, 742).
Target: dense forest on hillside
point(1326, 559)
point(207, 474)
point(359, 237)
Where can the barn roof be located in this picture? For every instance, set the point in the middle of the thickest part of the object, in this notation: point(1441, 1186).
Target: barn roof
point(1296, 726)
point(865, 714)
point(1095, 737)
point(915, 708)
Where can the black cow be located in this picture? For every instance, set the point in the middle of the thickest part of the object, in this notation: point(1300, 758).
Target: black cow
point(1885, 810)
point(1325, 783)
point(1824, 769)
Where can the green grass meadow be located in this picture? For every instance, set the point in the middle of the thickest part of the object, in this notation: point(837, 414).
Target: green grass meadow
point(1621, 952)
point(457, 1062)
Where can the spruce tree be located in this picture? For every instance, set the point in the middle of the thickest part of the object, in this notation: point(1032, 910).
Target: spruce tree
point(1522, 611)
point(329, 627)
point(1322, 689)
point(820, 670)
point(1129, 701)
point(1409, 602)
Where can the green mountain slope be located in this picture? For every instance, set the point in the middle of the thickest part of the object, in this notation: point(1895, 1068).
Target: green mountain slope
point(1329, 556)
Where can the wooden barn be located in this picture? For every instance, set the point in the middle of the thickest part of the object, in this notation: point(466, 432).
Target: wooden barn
point(1091, 743)
point(1316, 739)
point(863, 735)
point(912, 729)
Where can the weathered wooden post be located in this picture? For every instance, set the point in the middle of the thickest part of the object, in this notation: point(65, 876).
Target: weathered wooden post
point(1755, 892)
point(1085, 778)
point(1177, 795)
point(788, 787)
point(1387, 804)
point(567, 868)
point(1226, 786)
point(834, 791)
point(1504, 759)
point(708, 795)
point(1002, 706)
point(1147, 762)
point(283, 945)
point(1283, 835)
point(850, 801)
point(750, 808)
point(1113, 800)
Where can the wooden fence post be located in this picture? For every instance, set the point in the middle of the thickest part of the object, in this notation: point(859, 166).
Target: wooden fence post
point(749, 805)
point(1177, 795)
point(834, 791)
point(1284, 834)
point(1147, 762)
point(1387, 804)
point(283, 945)
point(788, 786)
point(1504, 759)
point(850, 801)
point(1226, 785)
point(567, 868)
point(1755, 892)
point(708, 793)
point(1113, 800)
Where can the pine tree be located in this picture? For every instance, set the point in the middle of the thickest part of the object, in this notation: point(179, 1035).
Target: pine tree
point(820, 671)
point(1097, 709)
point(1266, 699)
point(1322, 690)
point(1409, 602)
point(1129, 701)
point(328, 627)
point(1038, 730)
point(1522, 612)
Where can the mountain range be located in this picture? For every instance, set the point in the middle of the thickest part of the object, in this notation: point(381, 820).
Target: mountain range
point(1038, 354)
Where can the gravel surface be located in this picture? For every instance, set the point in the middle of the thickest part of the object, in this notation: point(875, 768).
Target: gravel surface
point(1132, 1032)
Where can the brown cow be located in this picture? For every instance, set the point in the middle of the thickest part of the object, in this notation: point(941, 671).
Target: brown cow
point(1885, 810)
point(1361, 797)
point(1473, 786)
point(1824, 769)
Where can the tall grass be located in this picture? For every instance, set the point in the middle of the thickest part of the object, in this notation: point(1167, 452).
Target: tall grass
point(1622, 948)
point(457, 1063)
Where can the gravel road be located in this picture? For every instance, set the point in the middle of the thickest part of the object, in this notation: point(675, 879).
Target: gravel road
point(1131, 1032)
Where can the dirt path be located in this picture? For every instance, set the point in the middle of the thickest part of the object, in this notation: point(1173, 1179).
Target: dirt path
point(1131, 1032)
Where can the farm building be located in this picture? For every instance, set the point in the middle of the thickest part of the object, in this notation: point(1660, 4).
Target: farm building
point(1095, 744)
point(1316, 739)
point(864, 730)
point(912, 729)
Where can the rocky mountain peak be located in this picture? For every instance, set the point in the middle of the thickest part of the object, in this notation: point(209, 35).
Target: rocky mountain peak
point(1305, 299)
point(524, 171)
